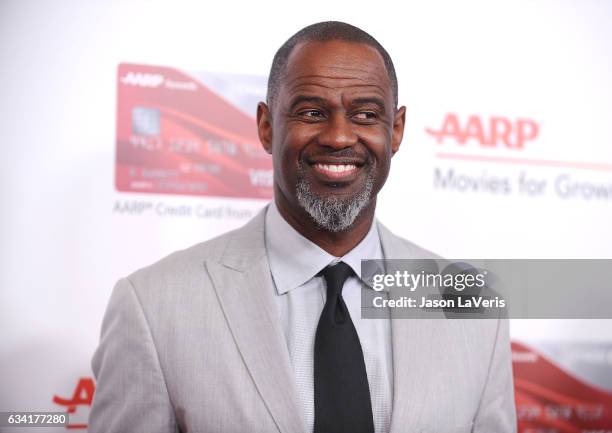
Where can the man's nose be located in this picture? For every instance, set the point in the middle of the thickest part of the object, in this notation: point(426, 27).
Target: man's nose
point(338, 132)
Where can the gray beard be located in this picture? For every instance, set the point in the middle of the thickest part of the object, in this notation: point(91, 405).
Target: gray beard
point(332, 213)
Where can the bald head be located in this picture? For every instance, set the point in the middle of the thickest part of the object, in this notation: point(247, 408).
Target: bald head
point(325, 32)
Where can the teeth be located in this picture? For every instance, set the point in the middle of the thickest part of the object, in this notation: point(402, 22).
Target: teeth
point(336, 168)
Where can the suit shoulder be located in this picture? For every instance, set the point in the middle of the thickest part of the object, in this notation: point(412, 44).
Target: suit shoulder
point(418, 250)
point(181, 264)
point(401, 248)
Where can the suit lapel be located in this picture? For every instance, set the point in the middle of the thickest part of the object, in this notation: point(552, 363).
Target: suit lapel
point(411, 344)
point(245, 290)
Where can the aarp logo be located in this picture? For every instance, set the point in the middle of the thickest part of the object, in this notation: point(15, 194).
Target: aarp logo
point(491, 132)
point(142, 79)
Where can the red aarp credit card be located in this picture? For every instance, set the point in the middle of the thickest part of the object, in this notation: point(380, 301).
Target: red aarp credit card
point(189, 134)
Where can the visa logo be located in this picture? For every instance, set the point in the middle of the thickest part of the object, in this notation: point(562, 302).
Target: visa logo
point(142, 79)
point(261, 177)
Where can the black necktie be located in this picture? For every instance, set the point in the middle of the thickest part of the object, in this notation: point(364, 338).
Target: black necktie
point(341, 392)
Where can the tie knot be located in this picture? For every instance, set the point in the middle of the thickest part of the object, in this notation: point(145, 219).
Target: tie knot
point(335, 276)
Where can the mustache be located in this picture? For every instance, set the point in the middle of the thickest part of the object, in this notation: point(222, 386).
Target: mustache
point(348, 153)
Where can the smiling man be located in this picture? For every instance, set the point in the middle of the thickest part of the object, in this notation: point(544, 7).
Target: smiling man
point(260, 329)
point(332, 127)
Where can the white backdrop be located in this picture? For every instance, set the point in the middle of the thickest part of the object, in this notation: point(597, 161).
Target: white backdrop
point(63, 247)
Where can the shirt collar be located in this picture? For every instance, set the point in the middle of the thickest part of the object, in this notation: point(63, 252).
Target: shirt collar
point(294, 259)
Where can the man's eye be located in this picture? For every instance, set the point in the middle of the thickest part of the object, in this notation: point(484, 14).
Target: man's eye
point(365, 115)
point(311, 113)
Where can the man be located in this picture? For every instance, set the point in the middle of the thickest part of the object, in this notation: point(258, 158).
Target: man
point(259, 330)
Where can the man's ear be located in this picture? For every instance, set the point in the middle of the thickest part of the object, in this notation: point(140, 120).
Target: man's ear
point(398, 129)
point(264, 126)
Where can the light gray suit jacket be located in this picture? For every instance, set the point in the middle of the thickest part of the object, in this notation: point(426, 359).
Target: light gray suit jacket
point(192, 343)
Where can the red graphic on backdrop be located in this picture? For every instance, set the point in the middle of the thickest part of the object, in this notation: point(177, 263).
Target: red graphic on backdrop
point(493, 132)
point(82, 396)
point(549, 399)
point(177, 136)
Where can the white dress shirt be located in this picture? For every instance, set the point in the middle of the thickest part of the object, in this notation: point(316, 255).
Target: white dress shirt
point(294, 262)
